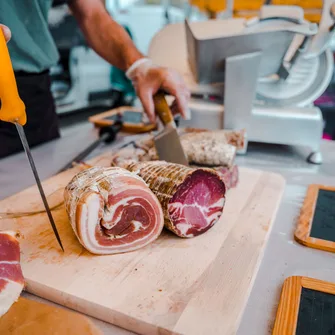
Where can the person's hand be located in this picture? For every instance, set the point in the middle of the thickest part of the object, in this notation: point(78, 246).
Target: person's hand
point(6, 32)
point(148, 79)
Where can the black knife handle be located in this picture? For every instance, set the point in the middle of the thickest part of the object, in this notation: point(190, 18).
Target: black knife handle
point(108, 134)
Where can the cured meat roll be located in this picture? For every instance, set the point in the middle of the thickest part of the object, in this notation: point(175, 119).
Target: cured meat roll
point(236, 138)
point(192, 199)
point(207, 148)
point(230, 176)
point(201, 150)
point(11, 277)
point(112, 210)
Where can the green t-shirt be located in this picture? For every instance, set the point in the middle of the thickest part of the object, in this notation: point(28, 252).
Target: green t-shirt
point(31, 48)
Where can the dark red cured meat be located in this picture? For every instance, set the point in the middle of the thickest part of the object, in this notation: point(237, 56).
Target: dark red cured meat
point(11, 277)
point(234, 176)
point(9, 248)
point(230, 176)
point(3, 284)
point(11, 272)
point(129, 214)
point(143, 213)
point(192, 199)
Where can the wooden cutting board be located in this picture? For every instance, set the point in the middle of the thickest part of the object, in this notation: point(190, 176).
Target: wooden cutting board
point(173, 286)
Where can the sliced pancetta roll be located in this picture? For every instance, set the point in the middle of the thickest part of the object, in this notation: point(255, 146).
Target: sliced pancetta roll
point(112, 210)
point(11, 277)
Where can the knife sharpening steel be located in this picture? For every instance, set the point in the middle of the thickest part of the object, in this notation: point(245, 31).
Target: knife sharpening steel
point(316, 223)
point(306, 307)
point(269, 70)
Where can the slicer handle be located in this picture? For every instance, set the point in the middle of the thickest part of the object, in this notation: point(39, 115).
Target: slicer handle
point(12, 107)
point(163, 110)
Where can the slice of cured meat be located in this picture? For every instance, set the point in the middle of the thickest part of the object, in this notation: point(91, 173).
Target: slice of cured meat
point(112, 210)
point(192, 199)
point(229, 175)
point(11, 277)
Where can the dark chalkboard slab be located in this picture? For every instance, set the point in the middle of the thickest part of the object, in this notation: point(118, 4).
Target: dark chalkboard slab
point(316, 224)
point(316, 313)
point(306, 307)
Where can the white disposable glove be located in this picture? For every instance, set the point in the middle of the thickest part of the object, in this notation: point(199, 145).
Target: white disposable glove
point(148, 79)
point(6, 31)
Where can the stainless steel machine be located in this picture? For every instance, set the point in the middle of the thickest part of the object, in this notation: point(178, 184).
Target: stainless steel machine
point(268, 71)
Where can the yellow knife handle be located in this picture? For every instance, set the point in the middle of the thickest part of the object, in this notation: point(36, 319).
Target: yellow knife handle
point(12, 107)
point(162, 109)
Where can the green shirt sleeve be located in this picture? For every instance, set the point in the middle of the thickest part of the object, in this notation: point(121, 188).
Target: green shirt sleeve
point(31, 48)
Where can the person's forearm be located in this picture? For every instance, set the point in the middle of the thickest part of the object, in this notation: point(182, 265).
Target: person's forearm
point(105, 36)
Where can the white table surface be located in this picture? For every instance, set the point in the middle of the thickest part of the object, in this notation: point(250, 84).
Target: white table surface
point(283, 257)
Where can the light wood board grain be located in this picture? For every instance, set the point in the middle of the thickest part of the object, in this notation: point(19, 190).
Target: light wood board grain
point(173, 286)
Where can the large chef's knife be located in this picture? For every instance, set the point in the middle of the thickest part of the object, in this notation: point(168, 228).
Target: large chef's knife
point(12, 109)
point(167, 142)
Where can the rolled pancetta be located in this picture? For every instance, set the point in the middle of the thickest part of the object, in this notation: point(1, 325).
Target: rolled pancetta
point(112, 210)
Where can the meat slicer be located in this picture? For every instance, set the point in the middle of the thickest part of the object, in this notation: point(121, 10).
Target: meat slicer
point(267, 71)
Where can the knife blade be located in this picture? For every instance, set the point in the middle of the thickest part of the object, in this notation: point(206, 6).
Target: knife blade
point(38, 181)
point(167, 142)
point(13, 110)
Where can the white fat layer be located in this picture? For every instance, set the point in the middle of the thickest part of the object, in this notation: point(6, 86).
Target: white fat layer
point(89, 219)
point(7, 262)
point(183, 228)
point(9, 294)
point(10, 233)
point(137, 225)
point(119, 236)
